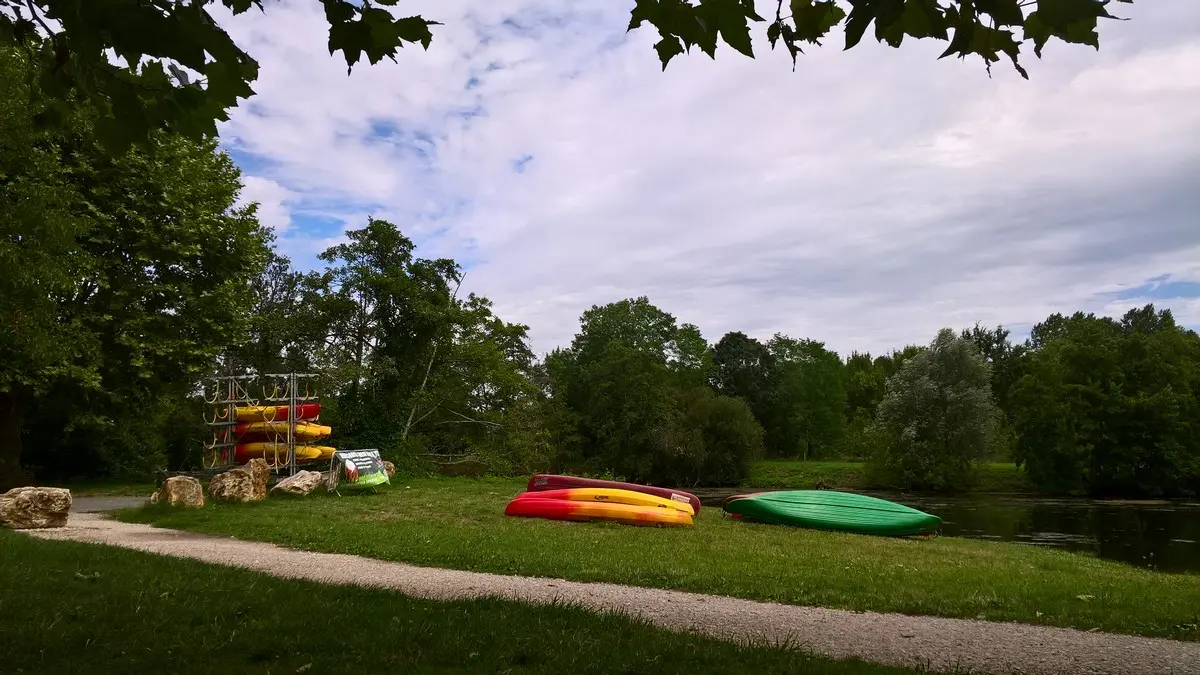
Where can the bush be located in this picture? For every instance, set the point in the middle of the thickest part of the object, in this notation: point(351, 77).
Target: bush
point(937, 417)
point(711, 441)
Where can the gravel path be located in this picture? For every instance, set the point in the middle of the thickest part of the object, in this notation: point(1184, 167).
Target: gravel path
point(896, 639)
point(96, 504)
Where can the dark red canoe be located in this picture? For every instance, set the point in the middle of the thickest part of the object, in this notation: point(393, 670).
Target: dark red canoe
point(540, 482)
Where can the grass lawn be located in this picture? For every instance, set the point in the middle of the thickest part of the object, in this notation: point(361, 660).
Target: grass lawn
point(90, 608)
point(459, 523)
point(798, 475)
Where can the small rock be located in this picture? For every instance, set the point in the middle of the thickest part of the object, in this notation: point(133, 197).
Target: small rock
point(246, 483)
point(154, 497)
point(28, 508)
point(389, 468)
point(182, 491)
point(302, 483)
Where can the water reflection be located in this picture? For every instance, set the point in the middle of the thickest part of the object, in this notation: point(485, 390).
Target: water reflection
point(1158, 535)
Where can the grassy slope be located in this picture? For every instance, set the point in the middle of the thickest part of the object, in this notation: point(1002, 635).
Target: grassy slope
point(87, 608)
point(792, 474)
point(459, 523)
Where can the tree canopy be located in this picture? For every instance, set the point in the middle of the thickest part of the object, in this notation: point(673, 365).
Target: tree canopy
point(937, 416)
point(183, 72)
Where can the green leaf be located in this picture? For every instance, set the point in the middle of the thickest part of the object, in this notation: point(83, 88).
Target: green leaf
point(415, 29)
point(924, 19)
point(239, 6)
point(862, 12)
point(338, 11)
point(1037, 31)
point(789, 39)
point(351, 37)
point(773, 33)
point(644, 11)
point(731, 21)
point(667, 48)
point(814, 20)
point(1072, 21)
point(1005, 12)
point(964, 29)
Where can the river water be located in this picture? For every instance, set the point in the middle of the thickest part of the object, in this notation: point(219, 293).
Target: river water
point(1160, 535)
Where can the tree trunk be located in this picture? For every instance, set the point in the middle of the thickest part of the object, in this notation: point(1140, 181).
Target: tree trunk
point(13, 406)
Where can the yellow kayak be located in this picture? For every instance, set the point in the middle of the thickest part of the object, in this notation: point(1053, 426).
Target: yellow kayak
point(277, 413)
point(305, 431)
point(278, 452)
point(536, 505)
point(615, 496)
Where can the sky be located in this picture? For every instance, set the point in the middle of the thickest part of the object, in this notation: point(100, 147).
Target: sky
point(865, 200)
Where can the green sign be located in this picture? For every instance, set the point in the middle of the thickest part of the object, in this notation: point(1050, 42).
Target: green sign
point(357, 469)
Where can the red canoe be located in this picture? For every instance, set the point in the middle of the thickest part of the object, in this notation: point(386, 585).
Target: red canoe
point(540, 482)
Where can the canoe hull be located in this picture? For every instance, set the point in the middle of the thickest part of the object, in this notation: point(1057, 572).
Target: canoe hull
point(609, 495)
point(566, 509)
point(273, 431)
point(541, 482)
point(278, 452)
point(272, 413)
point(832, 510)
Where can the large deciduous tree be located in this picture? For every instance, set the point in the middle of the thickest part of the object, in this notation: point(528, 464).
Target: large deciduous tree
point(742, 369)
point(410, 365)
point(805, 412)
point(937, 416)
point(632, 399)
point(165, 40)
point(130, 275)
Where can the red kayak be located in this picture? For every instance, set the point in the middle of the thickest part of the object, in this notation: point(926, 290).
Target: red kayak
point(540, 482)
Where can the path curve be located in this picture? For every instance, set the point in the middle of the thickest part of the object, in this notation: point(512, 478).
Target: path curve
point(894, 639)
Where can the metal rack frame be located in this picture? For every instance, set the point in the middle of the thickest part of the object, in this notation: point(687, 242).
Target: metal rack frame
point(233, 391)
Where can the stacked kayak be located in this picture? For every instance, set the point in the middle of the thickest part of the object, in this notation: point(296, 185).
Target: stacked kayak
point(262, 431)
point(601, 504)
point(272, 413)
point(305, 431)
point(832, 510)
point(540, 482)
point(276, 453)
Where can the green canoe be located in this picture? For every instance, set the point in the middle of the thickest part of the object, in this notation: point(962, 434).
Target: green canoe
point(831, 510)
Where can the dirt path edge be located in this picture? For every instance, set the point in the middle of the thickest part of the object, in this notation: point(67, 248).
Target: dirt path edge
point(934, 643)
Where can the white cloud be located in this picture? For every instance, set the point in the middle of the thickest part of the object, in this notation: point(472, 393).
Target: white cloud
point(273, 202)
point(867, 199)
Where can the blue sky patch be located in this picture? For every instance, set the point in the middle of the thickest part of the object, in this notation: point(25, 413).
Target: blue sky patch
point(1160, 288)
point(250, 163)
point(384, 129)
point(519, 165)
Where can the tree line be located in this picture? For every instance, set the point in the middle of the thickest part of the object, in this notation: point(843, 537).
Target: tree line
point(131, 277)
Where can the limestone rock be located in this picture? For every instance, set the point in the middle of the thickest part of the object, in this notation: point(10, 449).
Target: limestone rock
point(301, 484)
point(27, 508)
point(260, 472)
point(389, 468)
point(245, 483)
point(154, 497)
point(182, 491)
